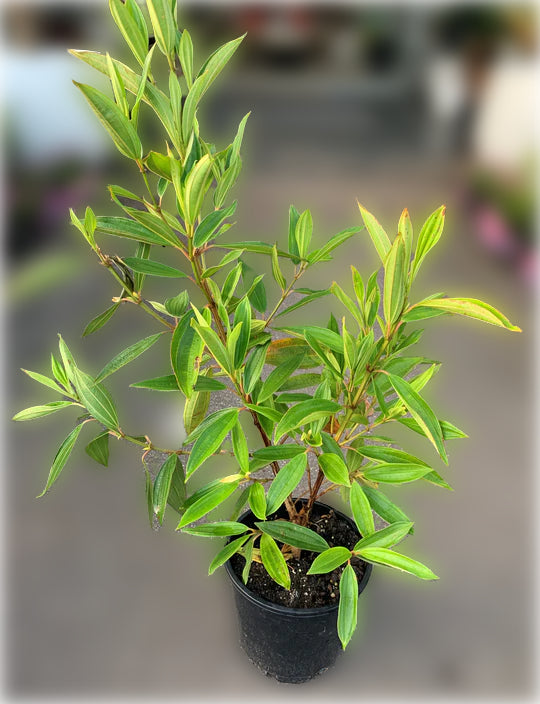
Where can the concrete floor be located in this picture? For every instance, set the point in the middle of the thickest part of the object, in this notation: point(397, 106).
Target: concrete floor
point(99, 605)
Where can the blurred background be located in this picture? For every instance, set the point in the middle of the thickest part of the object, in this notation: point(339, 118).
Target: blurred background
point(410, 105)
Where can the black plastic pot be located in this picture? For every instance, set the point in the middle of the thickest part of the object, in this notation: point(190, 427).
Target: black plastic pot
point(291, 645)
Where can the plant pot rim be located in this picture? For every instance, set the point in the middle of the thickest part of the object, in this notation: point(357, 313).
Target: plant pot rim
point(297, 612)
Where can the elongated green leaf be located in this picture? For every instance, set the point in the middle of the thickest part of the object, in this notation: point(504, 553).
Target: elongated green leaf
point(248, 554)
point(383, 507)
point(98, 449)
point(195, 409)
point(303, 233)
point(185, 54)
point(395, 276)
point(227, 552)
point(96, 399)
point(285, 482)
point(389, 454)
point(396, 473)
point(217, 530)
point(123, 227)
point(405, 229)
point(348, 605)
point(210, 440)
point(276, 270)
point(130, 22)
point(208, 74)
point(377, 233)
point(240, 446)
point(147, 266)
point(159, 164)
point(333, 243)
point(212, 498)
point(100, 320)
point(386, 537)
point(206, 383)
point(127, 355)
point(448, 430)
point(334, 468)
point(274, 562)
point(157, 225)
point(45, 380)
point(265, 411)
point(328, 560)
point(242, 315)
point(214, 344)
point(277, 377)
point(293, 221)
point(279, 452)
point(177, 490)
point(61, 458)
point(469, 307)
point(361, 510)
point(254, 366)
point(163, 23)
point(429, 235)
point(119, 90)
point(208, 227)
point(257, 500)
point(40, 411)
point(186, 347)
point(115, 122)
point(293, 534)
point(304, 412)
point(383, 556)
point(162, 486)
point(421, 412)
point(159, 383)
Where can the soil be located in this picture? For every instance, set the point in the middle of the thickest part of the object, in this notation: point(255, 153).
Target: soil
point(307, 591)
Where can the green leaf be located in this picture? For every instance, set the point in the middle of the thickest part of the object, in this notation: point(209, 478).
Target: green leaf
point(159, 383)
point(293, 221)
point(156, 225)
point(177, 491)
point(177, 305)
point(39, 411)
point(217, 530)
point(332, 244)
point(377, 233)
point(209, 225)
point(280, 351)
point(469, 307)
point(208, 74)
point(421, 412)
point(195, 409)
point(207, 502)
point(59, 372)
point(396, 473)
point(98, 449)
point(383, 556)
point(448, 430)
point(383, 507)
point(304, 412)
point(61, 458)
point(164, 25)
point(123, 227)
point(334, 468)
point(276, 271)
point(96, 399)
point(240, 446)
point(185, 54)
point(293, 534)
point(100, 320)
point(227, 552)
point(329, 560)
point(405, 229)
point(348, 605)
point(279, 452)
point(206, 383)
point(257, 500)
point(196, 186)
point(285, 482)
point(162, 486)
point(361, 510)
point(143, 86)
point(395, 277)
point(248, 554)
point(277, 377)
point(214, 345)
point(303, 233)
point(388, 454)
point(347, 301)
point(115, 122)
point(127, 356)
point(147, 266)
point(159, 164)
point(242, 315)
point(386, 537)
point(45, 380)
point(131, 24)
point(429, 235)
point(254, 366)
point(210, 440)
point(186, 347)
point(274, 562)
point(118, 87)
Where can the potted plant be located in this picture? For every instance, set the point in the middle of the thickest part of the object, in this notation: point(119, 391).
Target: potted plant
point(316, 398)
